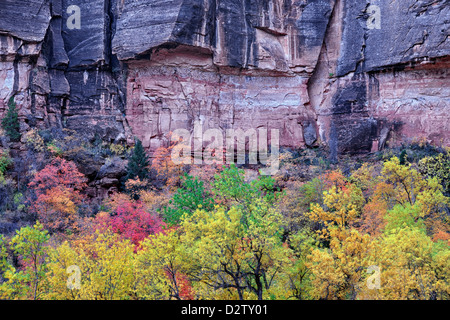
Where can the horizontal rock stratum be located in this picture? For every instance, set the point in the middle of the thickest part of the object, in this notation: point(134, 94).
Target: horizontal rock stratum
point(351, 74)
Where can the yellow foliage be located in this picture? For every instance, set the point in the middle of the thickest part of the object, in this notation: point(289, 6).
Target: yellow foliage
point(226, 247)
point(343, 206)
point(107, 266)
point(161, 264)
point(410, 266)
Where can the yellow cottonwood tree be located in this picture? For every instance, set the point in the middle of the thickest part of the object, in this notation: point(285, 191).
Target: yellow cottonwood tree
point(106, 265)
point(298, 274)
point(411, 187)
point(338, 268)
point(411, 265)
point(235, 255)
point(162, 265)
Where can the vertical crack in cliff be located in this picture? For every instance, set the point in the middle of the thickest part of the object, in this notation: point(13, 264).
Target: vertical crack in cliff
point(16, 75)
point(118, 70)
point(319, 83)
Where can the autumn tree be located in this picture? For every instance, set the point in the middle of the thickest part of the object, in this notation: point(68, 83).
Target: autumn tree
point(233, 259)
point(437, 166)
point(163, 264)
point(131, 221)
point(168, 173)
point(337, 267)
point(59, 172)
point(404, 185)
point(106, 265)
point(58, 193)
point(411, 265)
point(28, 282)
point(298, 273)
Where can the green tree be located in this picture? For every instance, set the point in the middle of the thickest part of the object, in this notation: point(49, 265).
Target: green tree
point(5, 162)
point(30, 244)
point(10, 123)
point(138, 163)
point(190, 197)
point(230, 188)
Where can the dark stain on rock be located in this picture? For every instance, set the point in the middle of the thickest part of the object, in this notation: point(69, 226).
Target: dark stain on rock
point(354, 130)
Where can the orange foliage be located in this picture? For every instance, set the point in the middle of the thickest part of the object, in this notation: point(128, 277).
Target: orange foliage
point(57, 209)
point(115, 200)
point(442, 235)
point(166, 169)
point(57, 188)
point(372, 216)
point(59, 172)
point(333, 178)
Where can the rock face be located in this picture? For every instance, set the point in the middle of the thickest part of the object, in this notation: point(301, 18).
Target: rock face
point(350, 74)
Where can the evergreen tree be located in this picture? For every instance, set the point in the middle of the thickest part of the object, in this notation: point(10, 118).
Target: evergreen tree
point(138, 164)
point(10, 122)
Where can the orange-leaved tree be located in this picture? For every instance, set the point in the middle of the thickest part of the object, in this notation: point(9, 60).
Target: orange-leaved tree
point(58, 188)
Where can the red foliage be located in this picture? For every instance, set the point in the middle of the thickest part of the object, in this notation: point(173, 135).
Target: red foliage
point(131, 221)
point(186, 290)
point(59, 172)
point(182, 286)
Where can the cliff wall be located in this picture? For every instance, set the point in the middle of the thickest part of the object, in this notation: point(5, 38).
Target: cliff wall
point(350, 74)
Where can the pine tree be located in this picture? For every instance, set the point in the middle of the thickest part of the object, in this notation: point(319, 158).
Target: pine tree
point(138, 164)
point(10, 122)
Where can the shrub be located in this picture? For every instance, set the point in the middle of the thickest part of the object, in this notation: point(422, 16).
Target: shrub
point(5, 161)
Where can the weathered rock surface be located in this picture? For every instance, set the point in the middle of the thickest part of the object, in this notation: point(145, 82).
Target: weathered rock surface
point(275, 35)
point(25, 20)
point(409, 31)
point(347, 73)
point(166, 93)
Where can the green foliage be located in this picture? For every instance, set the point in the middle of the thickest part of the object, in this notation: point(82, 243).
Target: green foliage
point(30, 244)
point(311, 192)
point(5, 162)
point(230, 184)
point(403, 216)
point(302, 243)
point(234, 260)
point(54, 149)
point(229, 187)
point(188, 198)
point(138, 163)
point(10, 122)
point(19, 201)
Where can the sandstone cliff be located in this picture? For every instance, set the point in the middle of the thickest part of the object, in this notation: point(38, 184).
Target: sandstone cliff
point(350, 74)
